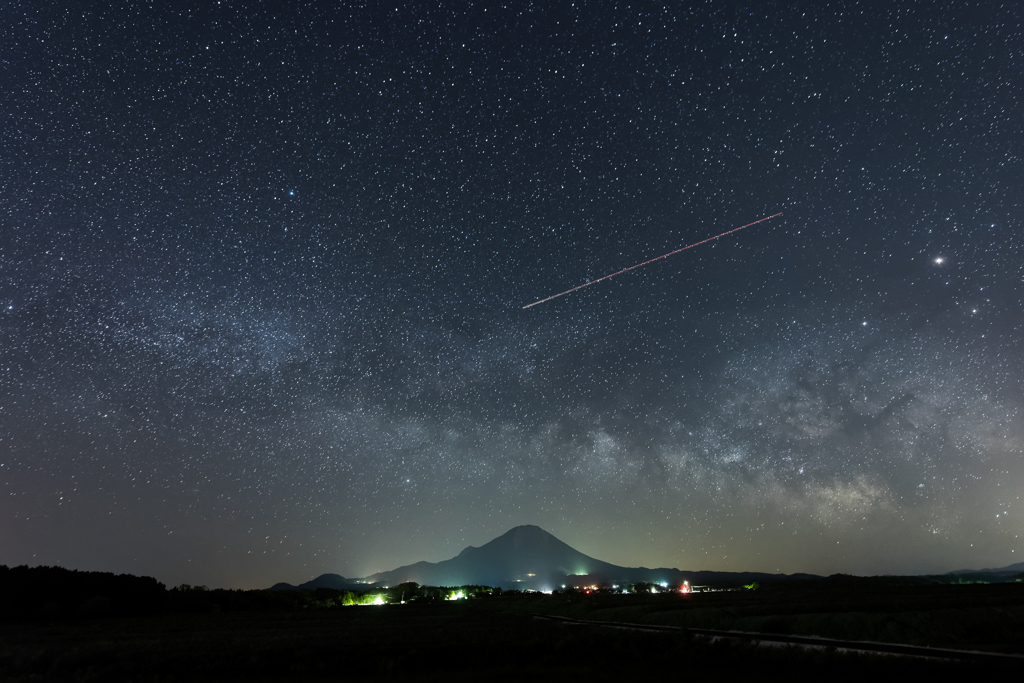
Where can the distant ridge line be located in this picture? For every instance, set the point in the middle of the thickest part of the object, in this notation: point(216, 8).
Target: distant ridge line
point(527, 557)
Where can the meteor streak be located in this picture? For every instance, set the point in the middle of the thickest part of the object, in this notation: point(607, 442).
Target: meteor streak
point(656, 258)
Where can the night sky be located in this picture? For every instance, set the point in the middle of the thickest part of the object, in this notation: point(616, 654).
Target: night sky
point(262, 270)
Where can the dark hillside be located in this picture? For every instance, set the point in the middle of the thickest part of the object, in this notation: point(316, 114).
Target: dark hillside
point(55, 592)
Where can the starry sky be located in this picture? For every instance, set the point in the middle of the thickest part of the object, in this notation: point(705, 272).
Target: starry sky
point(263, 269)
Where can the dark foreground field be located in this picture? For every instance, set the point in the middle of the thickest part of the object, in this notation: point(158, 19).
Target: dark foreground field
point(497, 639)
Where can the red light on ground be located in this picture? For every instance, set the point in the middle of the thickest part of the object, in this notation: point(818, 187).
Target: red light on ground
point(685, 589)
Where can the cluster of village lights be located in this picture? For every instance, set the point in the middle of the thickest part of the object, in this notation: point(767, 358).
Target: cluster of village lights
point(461, 594)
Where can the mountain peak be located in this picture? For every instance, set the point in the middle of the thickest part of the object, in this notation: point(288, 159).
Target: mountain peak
point(528, 540)
point(526, 535)
point(527, 529)
point(526, 532)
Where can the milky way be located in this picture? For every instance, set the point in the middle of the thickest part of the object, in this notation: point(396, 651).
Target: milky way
point(262, 270)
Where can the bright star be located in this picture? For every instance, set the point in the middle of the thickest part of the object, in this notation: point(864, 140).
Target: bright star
point(939, 260)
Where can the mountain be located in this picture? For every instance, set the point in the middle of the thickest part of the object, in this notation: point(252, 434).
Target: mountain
point(524, 555)
point(335, 581)
point(1017, 568)
point(527, 557)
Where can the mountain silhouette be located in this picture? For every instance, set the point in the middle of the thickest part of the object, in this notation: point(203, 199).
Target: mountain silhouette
point(526, 555)
point(1017, 568)
point(334, 581)
point(529, 558)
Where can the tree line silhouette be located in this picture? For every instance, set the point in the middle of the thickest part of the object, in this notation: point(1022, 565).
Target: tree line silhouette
point(49, 593)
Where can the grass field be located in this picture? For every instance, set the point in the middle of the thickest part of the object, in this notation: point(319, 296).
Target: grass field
point(986, 617)
point(496, 639)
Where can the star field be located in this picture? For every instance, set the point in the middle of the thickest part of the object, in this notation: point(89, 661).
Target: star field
point(262, 270)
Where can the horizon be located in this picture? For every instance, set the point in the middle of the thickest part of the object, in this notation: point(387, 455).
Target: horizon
point(652, 568)
point(264, 272)
point(371, 586)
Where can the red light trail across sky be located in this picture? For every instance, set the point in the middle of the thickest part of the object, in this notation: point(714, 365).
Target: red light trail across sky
point(656, 258)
